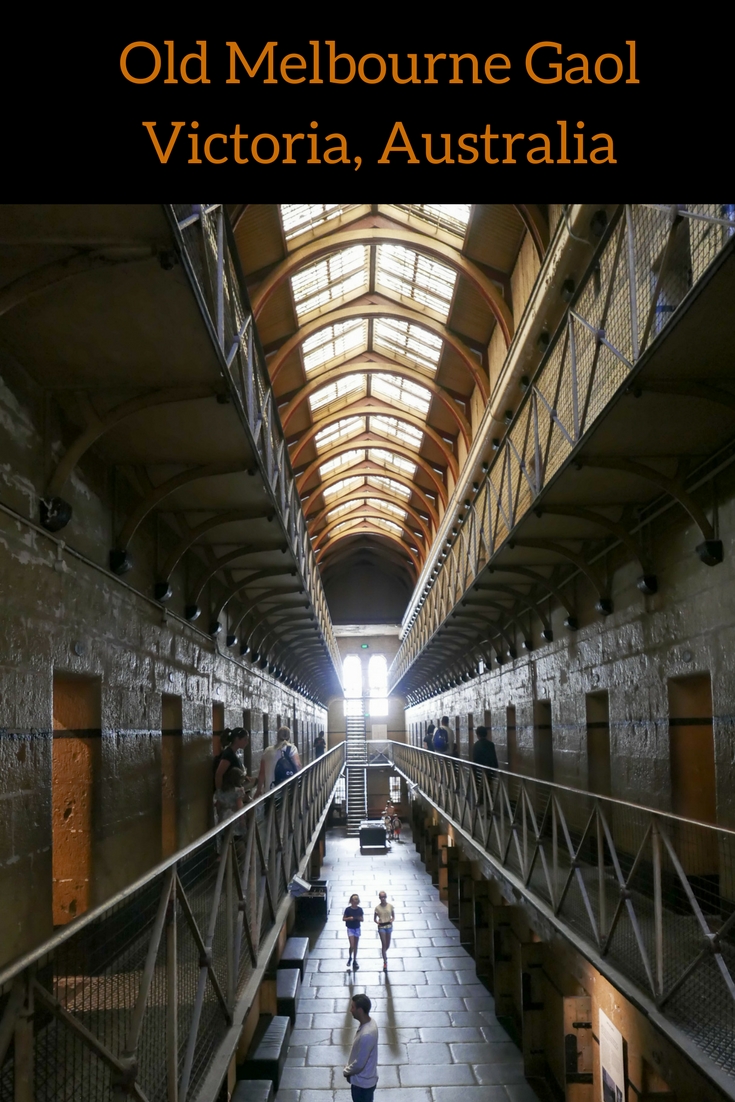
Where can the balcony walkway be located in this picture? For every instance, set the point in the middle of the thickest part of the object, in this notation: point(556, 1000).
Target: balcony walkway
point(439, 1038)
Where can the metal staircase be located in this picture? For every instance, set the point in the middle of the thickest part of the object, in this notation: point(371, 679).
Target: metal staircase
point(356, 761)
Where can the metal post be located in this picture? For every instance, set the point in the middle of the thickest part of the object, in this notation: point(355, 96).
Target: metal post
point(172, 998)
point(23, 1044)
point(230, 924)
point(136, 1020)
point(202, 984)
point(554, 850)
point(573, 369)
point(601, 878)
point(220, 279)
point(632, 281)
point(658, 914)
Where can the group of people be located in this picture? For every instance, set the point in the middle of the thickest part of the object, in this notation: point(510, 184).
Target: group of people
point(361, 1070)
point(483, 750)
point(439, 739)
point(383, 916)
point(232, 786)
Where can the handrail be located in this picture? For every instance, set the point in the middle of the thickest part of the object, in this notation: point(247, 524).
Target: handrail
point(649, 260)
point(206, 245)
point(647, 895)
point(141, 990)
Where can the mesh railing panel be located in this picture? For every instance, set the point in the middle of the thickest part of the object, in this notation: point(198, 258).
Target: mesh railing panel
point(86, 983)
point(650, 894)
point(649, 260)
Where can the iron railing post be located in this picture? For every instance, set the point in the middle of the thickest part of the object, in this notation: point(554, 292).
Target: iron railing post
point(172, 997)
point(658, 913)
point(23, 1041)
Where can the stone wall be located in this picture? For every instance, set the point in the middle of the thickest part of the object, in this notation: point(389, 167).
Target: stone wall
point(684, 630)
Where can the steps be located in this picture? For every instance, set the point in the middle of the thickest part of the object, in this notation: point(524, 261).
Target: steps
point(356, 772)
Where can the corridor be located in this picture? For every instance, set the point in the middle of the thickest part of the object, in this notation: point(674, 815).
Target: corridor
point(439, 1038)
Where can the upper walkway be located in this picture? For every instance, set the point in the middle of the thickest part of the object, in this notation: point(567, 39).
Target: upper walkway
point(439, 1039)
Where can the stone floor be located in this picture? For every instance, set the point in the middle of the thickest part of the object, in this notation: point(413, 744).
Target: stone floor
point(439, 1038)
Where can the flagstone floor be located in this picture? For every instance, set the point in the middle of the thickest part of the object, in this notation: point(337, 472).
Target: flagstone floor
point(439, 1038)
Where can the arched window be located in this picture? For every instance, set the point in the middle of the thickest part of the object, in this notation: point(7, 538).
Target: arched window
point(378, 684)
point(352, 680)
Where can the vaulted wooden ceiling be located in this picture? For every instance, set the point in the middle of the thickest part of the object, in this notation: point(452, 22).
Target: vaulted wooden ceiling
point(376, 321)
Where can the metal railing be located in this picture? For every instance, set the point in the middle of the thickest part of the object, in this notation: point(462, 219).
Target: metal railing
point(649, 259)
point(648, 896)
point(205, 242)
point(136, 998)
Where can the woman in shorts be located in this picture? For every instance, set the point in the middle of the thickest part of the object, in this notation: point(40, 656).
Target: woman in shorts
point(353, 917)
point(384, 916)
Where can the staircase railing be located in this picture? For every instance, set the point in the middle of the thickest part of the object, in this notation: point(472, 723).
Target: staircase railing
point(143, 998)
point(356, 760)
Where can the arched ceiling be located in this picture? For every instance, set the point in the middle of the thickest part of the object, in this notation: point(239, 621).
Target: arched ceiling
point(376, 322)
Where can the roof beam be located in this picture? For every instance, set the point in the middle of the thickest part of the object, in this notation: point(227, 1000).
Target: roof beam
point(409, 239)
point(366, 441)
point(399, 370)
point(382, 310)
point(376, 407)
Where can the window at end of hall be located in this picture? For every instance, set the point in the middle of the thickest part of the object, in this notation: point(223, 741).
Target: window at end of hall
point(352, 680)
point(378, 683)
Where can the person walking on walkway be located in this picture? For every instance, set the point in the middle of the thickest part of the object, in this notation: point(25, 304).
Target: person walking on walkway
point(483, 753)
point(429, 737)
point(361, 1071)
point(353, 917)
point(384, 916)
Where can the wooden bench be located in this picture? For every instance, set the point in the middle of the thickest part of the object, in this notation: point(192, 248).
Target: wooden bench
point(288, 992)
point(268, 1051)
point(295, 954)
point(253, 1090)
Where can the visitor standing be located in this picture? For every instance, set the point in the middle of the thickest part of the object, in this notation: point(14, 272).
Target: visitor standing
point(361, 1071)
point(483, 753)
point(319, 745)
point(441, 738)
point(277, 761)
point(352, 918)
point(429, 737)
point(384, 916)
point(232, 742)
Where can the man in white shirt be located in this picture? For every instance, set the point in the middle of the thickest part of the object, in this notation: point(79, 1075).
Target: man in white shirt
point(270, 758)
point(361, 1071)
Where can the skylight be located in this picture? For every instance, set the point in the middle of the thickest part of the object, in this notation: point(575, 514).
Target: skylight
point(379, 455)
point(343, 460)
point(330, 279)
point(408, 340)
point(380, 482)
point(333, 341)
point(447, 216)
point(338, 389)
point(401, 430)
point(388, 525)
point(299, 218)
point(416, 277)
point(409, 394)
point(346, 507)
point(348, 426)
point(378, 503)
point(344, 526)
point(344, 485)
